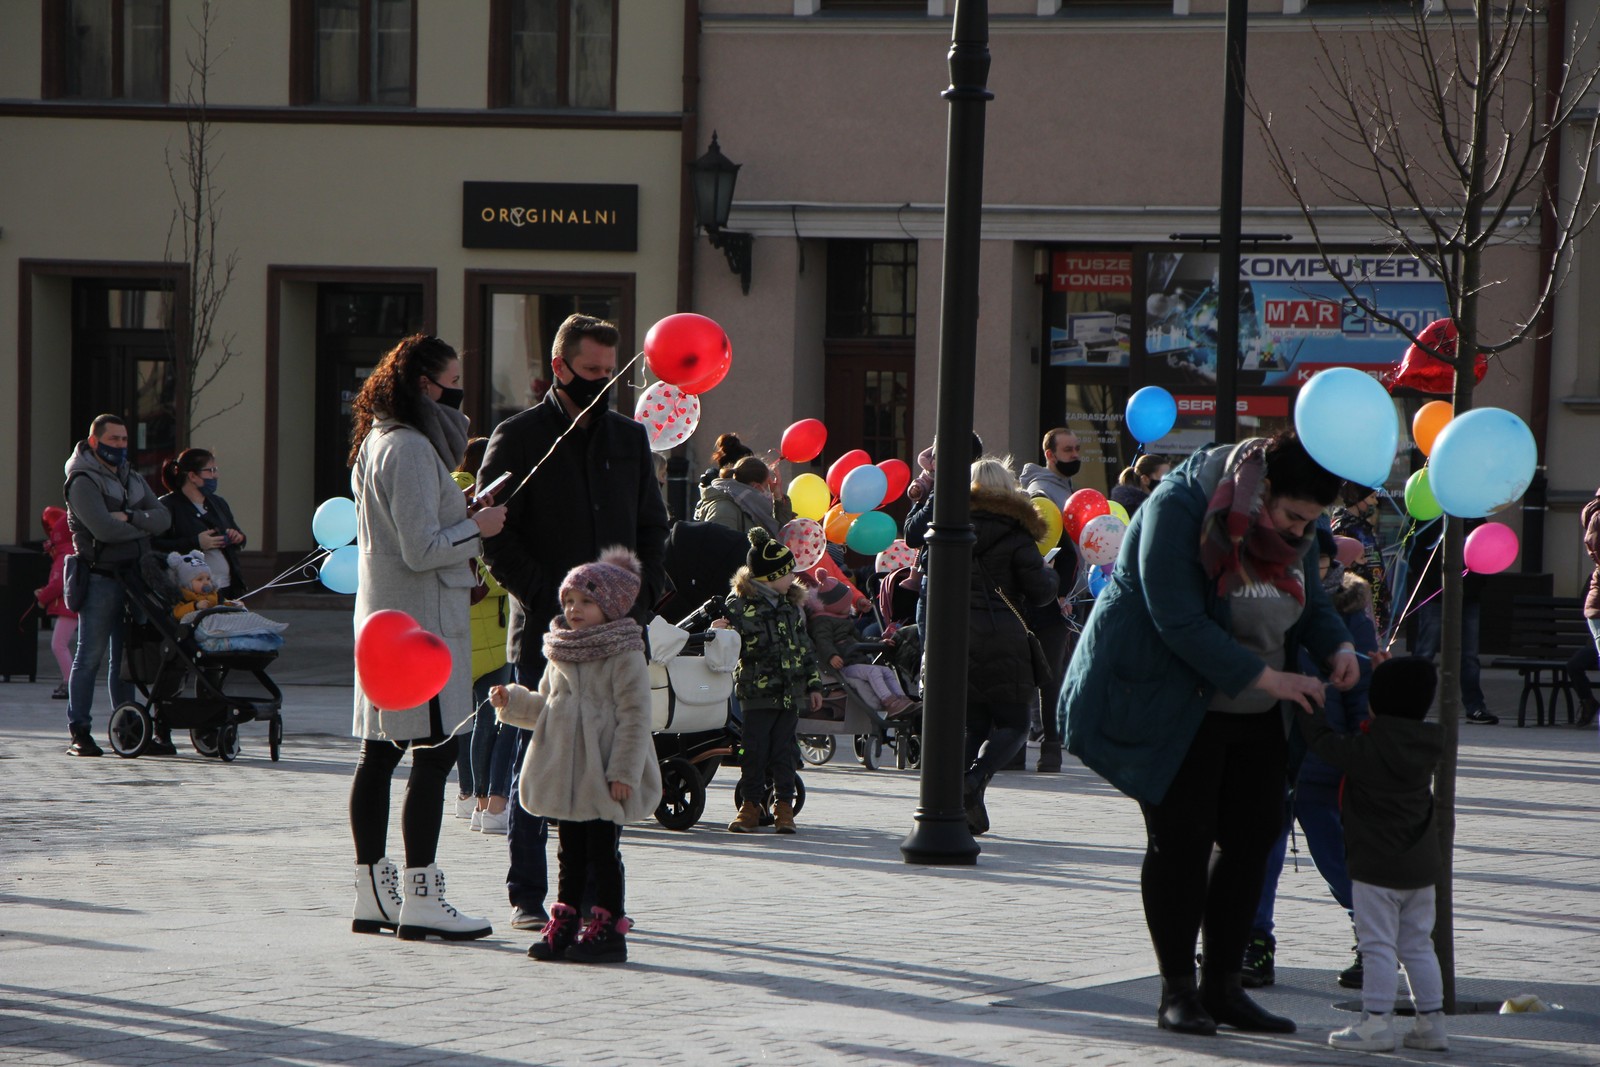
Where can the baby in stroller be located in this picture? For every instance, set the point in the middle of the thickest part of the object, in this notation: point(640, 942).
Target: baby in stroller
point(236, 630)
point(840, 647)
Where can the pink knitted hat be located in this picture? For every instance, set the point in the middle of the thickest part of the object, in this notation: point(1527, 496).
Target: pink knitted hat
point(612, 582)
point(833, 596)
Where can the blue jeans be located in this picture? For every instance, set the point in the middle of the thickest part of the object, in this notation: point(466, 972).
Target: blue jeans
point(473, 759)
point(527, 835)
point(100, 627)
point(1428, 619)
point(1316, 809)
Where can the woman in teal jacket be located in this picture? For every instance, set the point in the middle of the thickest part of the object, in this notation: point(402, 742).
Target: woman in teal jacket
point(1179, 691)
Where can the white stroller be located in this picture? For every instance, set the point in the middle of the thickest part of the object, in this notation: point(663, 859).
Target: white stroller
point(691, 680)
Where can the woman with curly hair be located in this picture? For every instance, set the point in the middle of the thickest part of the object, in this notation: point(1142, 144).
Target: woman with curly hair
point(417, 542)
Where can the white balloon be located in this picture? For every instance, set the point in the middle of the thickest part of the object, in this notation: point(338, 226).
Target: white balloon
point(669, 415)
point(1101, 539)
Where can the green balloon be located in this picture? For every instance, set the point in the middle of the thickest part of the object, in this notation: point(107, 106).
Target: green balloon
point(871, 533)
point(1419, 498)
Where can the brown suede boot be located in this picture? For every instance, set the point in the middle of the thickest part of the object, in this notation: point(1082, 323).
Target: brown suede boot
point(748, 821)
point(783, 817)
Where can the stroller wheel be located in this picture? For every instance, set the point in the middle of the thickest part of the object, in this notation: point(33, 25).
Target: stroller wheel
point(683, 794)
point(130, 730)
point(913, 747)
point(228, 743)
point(817, 749)
point(274, 738)
point(869, 749)
point(204, 740)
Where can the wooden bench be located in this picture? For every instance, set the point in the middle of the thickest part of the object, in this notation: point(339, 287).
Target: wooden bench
point(1545, 631)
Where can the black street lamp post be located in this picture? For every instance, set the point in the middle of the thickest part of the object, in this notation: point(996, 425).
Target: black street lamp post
point(940, 834)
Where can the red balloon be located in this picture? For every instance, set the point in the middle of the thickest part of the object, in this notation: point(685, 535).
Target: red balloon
point(689, 351)
point(844, 465)
point(399, 665)
point(899, 475)
point(1426, 373)
point(1082, 506)
point(803, 441)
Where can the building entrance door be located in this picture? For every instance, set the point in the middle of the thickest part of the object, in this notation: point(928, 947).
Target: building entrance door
point(868, 402)
point(122, 346)
point(356, 326)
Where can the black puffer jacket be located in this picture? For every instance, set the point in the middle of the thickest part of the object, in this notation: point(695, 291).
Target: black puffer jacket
point(1006, 555)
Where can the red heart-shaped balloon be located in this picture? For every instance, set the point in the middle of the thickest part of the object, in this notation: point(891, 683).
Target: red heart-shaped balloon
point(399, 665)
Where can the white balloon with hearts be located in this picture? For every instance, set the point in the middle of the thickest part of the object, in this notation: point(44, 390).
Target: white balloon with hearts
point(804, 537)
point(669, 415)
point(897, 555)
point(1101, 540)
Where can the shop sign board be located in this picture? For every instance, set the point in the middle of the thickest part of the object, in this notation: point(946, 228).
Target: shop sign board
point(550, 216)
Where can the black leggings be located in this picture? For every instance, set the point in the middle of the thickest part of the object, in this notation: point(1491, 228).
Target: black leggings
point(590, 855)
point(1228, 793)
point(423, 810)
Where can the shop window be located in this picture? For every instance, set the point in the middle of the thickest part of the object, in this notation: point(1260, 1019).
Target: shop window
point(872, 289)
point(106, 50)
point(354, 53)
point(553, 54)
point(522, 326)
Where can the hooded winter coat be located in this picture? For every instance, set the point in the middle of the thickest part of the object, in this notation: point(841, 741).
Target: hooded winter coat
point(52, 596)
point(93, 493)
point(1005, 555)
point(731, 503)
point(591, 727)
point(416, 542)
point(1046, 482)
point(777, 663)
point(1390, 838)
point(1591, 542)
point(1159, 645)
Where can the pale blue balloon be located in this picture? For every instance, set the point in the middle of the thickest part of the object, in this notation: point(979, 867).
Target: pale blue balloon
point(334, 524)
point(1347, 422)
point(341, 571)
point(863, 489)
point(1152, 412)
point(1481, 462)
point(871, 532)
point(1098, 580)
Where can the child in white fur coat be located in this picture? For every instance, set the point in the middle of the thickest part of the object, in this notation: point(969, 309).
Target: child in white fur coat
point(591, 763)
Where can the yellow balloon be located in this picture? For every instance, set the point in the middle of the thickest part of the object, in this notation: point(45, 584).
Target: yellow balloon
point(809, 496)
point(1119, 511)
point(1052, 520)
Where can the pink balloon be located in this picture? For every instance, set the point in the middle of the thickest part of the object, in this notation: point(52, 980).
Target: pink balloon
point(1491, 548)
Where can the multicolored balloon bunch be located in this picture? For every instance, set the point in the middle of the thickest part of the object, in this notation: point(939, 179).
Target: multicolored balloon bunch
point(843, 507)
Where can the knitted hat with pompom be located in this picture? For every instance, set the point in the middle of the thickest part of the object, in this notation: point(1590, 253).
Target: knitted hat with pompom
point(613, 581)
point(767, 559)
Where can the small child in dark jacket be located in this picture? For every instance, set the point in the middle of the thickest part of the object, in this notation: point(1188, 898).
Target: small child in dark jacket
point(776, 678)
point(1393, 850)
point(838, 643)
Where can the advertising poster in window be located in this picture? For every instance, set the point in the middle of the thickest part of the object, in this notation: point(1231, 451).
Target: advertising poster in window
point(1090, 308)
point(1094, 411)
point(1295, 317)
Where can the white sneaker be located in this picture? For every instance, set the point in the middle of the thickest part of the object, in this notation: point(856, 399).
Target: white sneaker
point(477, 818)
point(495, 824)
point(465, 806)
point(1372, 1034)
point(1428, 1033)
point(425, 913)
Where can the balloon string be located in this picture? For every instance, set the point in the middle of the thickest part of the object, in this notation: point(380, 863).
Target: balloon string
point(278, 582)
point(572, 426)
point(453, 730)
point(1394, 627)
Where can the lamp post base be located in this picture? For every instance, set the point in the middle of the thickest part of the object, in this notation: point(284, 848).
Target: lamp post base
point(940, 840)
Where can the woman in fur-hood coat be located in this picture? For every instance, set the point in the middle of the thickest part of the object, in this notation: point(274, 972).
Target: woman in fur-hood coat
point(1006, 557)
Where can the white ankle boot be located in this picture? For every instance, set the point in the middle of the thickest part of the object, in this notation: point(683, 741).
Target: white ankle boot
point(426, 914)
point(378, 897)
point(1428, 1033)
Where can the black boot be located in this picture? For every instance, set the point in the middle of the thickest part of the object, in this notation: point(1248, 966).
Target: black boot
point(1049, 757)
point(1224, 998)
point(1180, 1009)
point(160, 743)
point(977, 813)
point(83, 743)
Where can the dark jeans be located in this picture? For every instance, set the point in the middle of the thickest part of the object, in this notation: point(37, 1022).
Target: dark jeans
point(1315, 806)
point(474, 763)
point(1056, 639)
point(527, 836)
point(995, 733)
point(589, 855)
point(1428, 619)
point(423, 810)
point(1228, 793)
point(1583, 661)
point(770, 752)
point(101, 629)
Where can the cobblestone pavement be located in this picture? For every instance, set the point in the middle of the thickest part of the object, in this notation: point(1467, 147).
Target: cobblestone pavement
point(186, 911)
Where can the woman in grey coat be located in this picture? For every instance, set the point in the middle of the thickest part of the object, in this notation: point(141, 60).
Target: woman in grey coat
point(417, 543)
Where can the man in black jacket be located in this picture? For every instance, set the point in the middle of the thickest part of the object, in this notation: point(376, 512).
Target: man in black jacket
point(597, 488)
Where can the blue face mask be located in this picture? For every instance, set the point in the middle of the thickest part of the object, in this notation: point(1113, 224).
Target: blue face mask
point(208, 486)
point(113, 456)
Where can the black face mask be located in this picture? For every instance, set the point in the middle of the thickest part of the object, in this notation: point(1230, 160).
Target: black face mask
point(582, 391)
point(450, 398)
point(1068, 469)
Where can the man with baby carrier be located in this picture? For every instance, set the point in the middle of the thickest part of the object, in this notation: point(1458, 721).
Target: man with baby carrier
point(112, 513)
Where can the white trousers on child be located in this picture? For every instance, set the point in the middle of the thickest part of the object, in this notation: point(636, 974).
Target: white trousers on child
point(1390, 924)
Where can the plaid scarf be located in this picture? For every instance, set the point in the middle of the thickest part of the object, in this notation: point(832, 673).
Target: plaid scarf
point(1236, 547)
point(566, 645)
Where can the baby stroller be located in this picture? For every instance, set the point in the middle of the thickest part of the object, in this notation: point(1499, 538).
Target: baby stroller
point(165, 663)
point(849, 706)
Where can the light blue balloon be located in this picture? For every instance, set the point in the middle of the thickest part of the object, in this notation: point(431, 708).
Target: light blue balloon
point(862, 490)
point(1347, 422)
point(871, 532)
point(1481, 462)
point(341, 571)
point(334, 524)
point(1098, 580)
point(1152, 413)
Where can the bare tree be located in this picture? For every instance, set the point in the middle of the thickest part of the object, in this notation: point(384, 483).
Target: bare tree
point(200, 354)
point(1444, 125)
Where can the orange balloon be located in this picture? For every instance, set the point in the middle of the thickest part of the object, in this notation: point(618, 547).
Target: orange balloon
point(836, 524)
point(1429, 421)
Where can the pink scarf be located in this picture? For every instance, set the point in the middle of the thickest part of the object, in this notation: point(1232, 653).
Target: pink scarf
point(1236, 547)
point(566, 645)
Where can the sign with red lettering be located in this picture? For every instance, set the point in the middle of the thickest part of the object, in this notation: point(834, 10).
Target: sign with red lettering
point(1262, 407)
point(1091, 272)
point(1301, 314)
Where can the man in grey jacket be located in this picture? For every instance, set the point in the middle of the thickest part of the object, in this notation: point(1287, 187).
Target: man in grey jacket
point(112, 511)
point(1053, 480)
